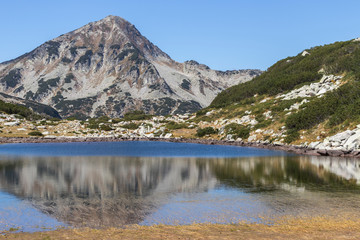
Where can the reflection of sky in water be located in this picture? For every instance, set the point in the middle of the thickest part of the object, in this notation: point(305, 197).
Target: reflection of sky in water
point(112, 191)
point(15, 213)
point(221, 205)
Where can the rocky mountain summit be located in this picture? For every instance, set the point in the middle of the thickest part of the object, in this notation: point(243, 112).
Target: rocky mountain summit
point(108, 68)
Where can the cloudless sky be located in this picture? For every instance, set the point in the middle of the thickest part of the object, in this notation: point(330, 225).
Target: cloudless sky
point(223, 34)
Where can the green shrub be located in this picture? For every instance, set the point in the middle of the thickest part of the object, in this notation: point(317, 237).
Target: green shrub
point(237, 130)
point(131, 126)
point(55, 119)
point(103, 119)
point(136, 115)
point(86, 58)
point(93, 126)
point(186, 85)
point(71, 118)
point(291, 136)
point(105, 127)
point(205, 131)
point(35, 133)
point(13, 78)
point(69, 77)
point(173, 125)
point(202, 112)
point(11, 108)
point(116, 120)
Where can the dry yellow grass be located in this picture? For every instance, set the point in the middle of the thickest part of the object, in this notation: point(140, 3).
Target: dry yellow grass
point(185, 133)
point(305, 228)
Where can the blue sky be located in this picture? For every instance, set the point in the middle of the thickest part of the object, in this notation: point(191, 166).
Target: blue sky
point(223, 34)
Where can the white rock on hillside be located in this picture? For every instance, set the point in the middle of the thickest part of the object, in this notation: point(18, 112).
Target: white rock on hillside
point(11, 124)
point(327, 83)
point(304, 53)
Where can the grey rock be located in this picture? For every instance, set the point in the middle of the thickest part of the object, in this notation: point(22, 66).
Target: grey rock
point(313, 144)
point(353, 141)
point(341, 136)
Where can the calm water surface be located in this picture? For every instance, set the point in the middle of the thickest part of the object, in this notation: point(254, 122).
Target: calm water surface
point(44, 186)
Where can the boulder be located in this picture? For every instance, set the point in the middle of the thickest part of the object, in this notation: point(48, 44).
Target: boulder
point(304, 53)
point(312, 152)
point(229, 137)
point(341, 136)
point(353, 141)
point(313, 144)
point(252, 138)
point(321, 91)
point(50, 137)
point(168, 135)
point(320, 146)
point(322, 152)
point(335, 153)
point(11, 124)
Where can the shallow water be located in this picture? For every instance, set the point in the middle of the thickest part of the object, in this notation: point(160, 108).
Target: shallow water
point(51, 185)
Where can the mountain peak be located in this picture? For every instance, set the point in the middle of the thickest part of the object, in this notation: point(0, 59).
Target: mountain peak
point(113, 19)
point(108, 68)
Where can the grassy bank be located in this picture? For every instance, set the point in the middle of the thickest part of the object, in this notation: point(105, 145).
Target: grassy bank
point(305, 228)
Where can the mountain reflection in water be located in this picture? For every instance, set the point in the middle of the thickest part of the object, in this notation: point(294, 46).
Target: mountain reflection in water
point(114, 191)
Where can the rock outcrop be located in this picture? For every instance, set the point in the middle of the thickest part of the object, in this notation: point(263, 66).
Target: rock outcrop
point(327, 83)
point(107, 68)
point(348, 140)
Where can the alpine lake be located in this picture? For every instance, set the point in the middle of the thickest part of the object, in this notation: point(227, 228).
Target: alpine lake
point(44, 186)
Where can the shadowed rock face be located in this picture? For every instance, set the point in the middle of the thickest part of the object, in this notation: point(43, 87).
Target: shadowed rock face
point(108, 67)
point(110, 191)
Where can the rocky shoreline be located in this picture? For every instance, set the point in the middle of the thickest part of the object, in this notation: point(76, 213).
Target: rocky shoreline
point(287, 148)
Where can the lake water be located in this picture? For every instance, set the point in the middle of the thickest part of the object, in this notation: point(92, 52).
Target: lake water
point(45, 186)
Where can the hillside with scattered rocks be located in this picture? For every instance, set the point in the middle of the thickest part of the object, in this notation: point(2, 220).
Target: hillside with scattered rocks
point(310, 100)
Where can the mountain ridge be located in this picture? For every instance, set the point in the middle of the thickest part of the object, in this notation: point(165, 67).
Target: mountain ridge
point(108, 68)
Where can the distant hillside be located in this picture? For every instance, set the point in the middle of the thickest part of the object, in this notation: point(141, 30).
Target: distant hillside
point(319, 89)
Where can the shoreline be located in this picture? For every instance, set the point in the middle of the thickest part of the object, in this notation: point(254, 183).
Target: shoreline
point(306, 228)
point(287, 148)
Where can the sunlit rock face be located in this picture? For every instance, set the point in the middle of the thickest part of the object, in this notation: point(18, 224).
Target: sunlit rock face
point(108, 67)
point(115, 191)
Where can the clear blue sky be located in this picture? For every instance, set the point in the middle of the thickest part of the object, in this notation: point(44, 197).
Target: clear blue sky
point(223, 34)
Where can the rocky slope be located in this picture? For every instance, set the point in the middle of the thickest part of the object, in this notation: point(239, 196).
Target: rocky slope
point(107, 68)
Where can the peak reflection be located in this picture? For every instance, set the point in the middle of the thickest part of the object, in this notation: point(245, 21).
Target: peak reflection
point(114, 191)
